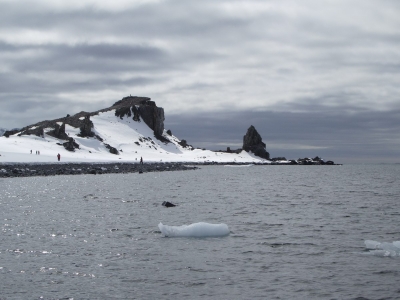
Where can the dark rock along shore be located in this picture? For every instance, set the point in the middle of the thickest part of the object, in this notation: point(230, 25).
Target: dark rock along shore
point(28, 170)
point(34, 169)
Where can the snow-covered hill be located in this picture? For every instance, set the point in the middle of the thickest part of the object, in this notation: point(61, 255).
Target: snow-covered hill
point(132, 139)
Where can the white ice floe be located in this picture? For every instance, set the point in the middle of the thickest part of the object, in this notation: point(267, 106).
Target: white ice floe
point(383, 249)
point(200, 229)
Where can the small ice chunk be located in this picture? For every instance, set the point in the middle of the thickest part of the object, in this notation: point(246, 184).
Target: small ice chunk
point(383, 249)
point(200, 229)
point(397, 244)
point(372, 244)
point(382, 253)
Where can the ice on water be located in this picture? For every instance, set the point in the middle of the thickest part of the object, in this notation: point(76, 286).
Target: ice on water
point(200, 229)
point(383, 249)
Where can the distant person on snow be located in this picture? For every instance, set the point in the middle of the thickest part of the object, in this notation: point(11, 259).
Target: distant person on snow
point(141, 160)
point(31, 151)
point(58, 156)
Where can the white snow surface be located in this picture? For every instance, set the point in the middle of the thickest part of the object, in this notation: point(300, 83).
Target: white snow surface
point(200, 229)
point(383, 249)
point(118, 133)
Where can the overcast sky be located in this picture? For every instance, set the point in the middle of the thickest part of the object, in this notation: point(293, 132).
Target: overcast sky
point(314, 77)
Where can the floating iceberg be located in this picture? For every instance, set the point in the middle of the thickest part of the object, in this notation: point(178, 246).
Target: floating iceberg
point(383, 249)
point(200, 229)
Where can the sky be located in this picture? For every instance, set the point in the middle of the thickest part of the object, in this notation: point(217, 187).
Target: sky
point(315, 78)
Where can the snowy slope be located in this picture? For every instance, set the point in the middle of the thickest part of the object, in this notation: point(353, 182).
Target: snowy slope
point(132, 139)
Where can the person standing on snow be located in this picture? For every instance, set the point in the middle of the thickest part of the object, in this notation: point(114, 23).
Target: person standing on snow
point(58, 156)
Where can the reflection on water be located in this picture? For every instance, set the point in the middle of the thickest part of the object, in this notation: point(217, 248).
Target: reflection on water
point(295, 232)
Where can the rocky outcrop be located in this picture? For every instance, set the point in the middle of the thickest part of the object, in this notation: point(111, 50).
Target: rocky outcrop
point(314, 161)
point(153, 116)
point(184, 144)
point(38, 131)
point(71, 145)
point(123, 111)
point(86, 127)
point(7, 133)
point(136, 116)
point(144, 109)
point(112, 149)
point(59, 132)
point(252, 141)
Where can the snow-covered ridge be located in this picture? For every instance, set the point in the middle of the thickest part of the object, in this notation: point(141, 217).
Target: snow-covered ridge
point(132, 139)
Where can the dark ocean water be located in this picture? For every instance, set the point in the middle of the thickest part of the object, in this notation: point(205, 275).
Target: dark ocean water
point(297, 232)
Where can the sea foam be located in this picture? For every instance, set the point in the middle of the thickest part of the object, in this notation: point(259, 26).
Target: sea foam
point(383, 249)
point(200, 229)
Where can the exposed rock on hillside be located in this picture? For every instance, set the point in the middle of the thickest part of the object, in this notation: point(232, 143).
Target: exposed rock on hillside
point(112, 149)
point(252, 141)
point(7, 133)
point(142, 108)
point(58, 132)
point(86, 127)
point(153, 116)
point(71, 145)
point(184, 144)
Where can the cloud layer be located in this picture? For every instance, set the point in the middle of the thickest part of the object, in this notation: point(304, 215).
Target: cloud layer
point(327, 67)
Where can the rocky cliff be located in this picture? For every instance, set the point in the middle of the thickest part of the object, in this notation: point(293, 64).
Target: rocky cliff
point(142, 108)
point(252, 141)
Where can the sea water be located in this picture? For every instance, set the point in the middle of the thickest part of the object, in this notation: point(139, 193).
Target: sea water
point(295, 232)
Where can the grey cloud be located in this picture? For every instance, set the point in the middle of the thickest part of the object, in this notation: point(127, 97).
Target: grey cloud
point(174, 18)
point(92, 58)
point(301, 71)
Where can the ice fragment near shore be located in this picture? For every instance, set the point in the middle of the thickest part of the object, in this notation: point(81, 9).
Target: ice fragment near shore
point(200, 229)
point(383, 249)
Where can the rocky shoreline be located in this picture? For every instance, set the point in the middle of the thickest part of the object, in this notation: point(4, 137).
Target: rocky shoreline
point(34, 169)
point(50, 169)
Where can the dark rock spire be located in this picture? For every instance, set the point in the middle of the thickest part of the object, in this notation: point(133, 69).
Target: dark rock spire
point(252, 141)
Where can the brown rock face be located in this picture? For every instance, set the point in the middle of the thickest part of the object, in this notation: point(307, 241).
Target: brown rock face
point(252, 141)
